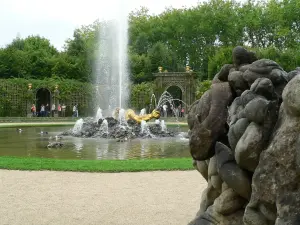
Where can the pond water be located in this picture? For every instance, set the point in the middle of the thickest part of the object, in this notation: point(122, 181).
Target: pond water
point(31, 143)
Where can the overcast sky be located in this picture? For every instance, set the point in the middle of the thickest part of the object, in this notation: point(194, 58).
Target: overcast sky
point(57, 19)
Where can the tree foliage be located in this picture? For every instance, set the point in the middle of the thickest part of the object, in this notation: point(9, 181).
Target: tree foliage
point(200, 37)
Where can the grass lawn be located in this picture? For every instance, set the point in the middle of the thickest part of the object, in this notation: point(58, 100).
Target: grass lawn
point(26, 163)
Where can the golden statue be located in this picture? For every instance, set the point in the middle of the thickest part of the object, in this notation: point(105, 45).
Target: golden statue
point(130, 114)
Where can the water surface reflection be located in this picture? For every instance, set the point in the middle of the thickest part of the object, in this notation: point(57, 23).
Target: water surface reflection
point(31, 143)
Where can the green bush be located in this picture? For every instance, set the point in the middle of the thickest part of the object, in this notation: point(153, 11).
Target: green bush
point(288, 59)
point(222, 56)
point(140, 95)
point(202, 87)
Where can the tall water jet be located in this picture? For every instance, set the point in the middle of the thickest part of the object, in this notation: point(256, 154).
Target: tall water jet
point(111, 67)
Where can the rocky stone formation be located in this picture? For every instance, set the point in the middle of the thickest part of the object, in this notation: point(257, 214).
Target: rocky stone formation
point(122, 132)
point(244, 139)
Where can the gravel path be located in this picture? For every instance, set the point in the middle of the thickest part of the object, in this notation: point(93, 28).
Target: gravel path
point(67, 198)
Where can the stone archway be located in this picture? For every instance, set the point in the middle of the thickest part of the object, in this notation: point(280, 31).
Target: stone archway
point(43, 96)
point(183, 80)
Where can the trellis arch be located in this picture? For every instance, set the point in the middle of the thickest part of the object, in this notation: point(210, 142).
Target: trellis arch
point(183, 80)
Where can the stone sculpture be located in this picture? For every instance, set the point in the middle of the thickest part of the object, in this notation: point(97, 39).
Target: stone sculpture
point(130, 114)
point(244, 141)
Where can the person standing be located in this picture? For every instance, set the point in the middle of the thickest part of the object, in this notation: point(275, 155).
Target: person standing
point(75, 110)
point(33, 110)
point(53, 109)
point(59, 110)
point(63, 110)
point(42, 111)
point(179, 110)
point(47, 109)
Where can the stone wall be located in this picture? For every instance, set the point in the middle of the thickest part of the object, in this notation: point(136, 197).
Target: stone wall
point(244, 141)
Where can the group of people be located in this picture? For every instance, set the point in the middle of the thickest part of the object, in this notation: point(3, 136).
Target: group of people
point(46, 112)
point(171, 111)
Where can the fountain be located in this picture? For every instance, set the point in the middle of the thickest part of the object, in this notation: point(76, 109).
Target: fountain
point(112, 85)
point(104, 128)
point(77, 127)
point(126, 124)
point(163, 126)
point(111, 67)
point(98, 114)
point(122, 125)
point(143, 112)
point(145, 128)
point(122, 117)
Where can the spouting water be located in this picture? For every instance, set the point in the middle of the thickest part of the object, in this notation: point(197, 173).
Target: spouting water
point(77, 127)
point(98, 114)
point(104, 127)
point(157, 122)
point(143, 112)
point(145, 128)
point(111, 68)
point(151, 100)
point(163, 126)
point(167, 99)
point(122, 117)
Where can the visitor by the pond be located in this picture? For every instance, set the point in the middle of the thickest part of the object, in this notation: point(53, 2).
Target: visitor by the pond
point(75, 110)
point(63, 110)
point(53, 109)
point(182, 112)
point(172, 111)
point(47, 110)
point(165, 108)
point(33, 110)
point(179, 110)
point(59, 110)
point(42, 111)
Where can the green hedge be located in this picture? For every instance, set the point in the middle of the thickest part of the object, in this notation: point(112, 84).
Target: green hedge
point(140, 95)
point(15, 96)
